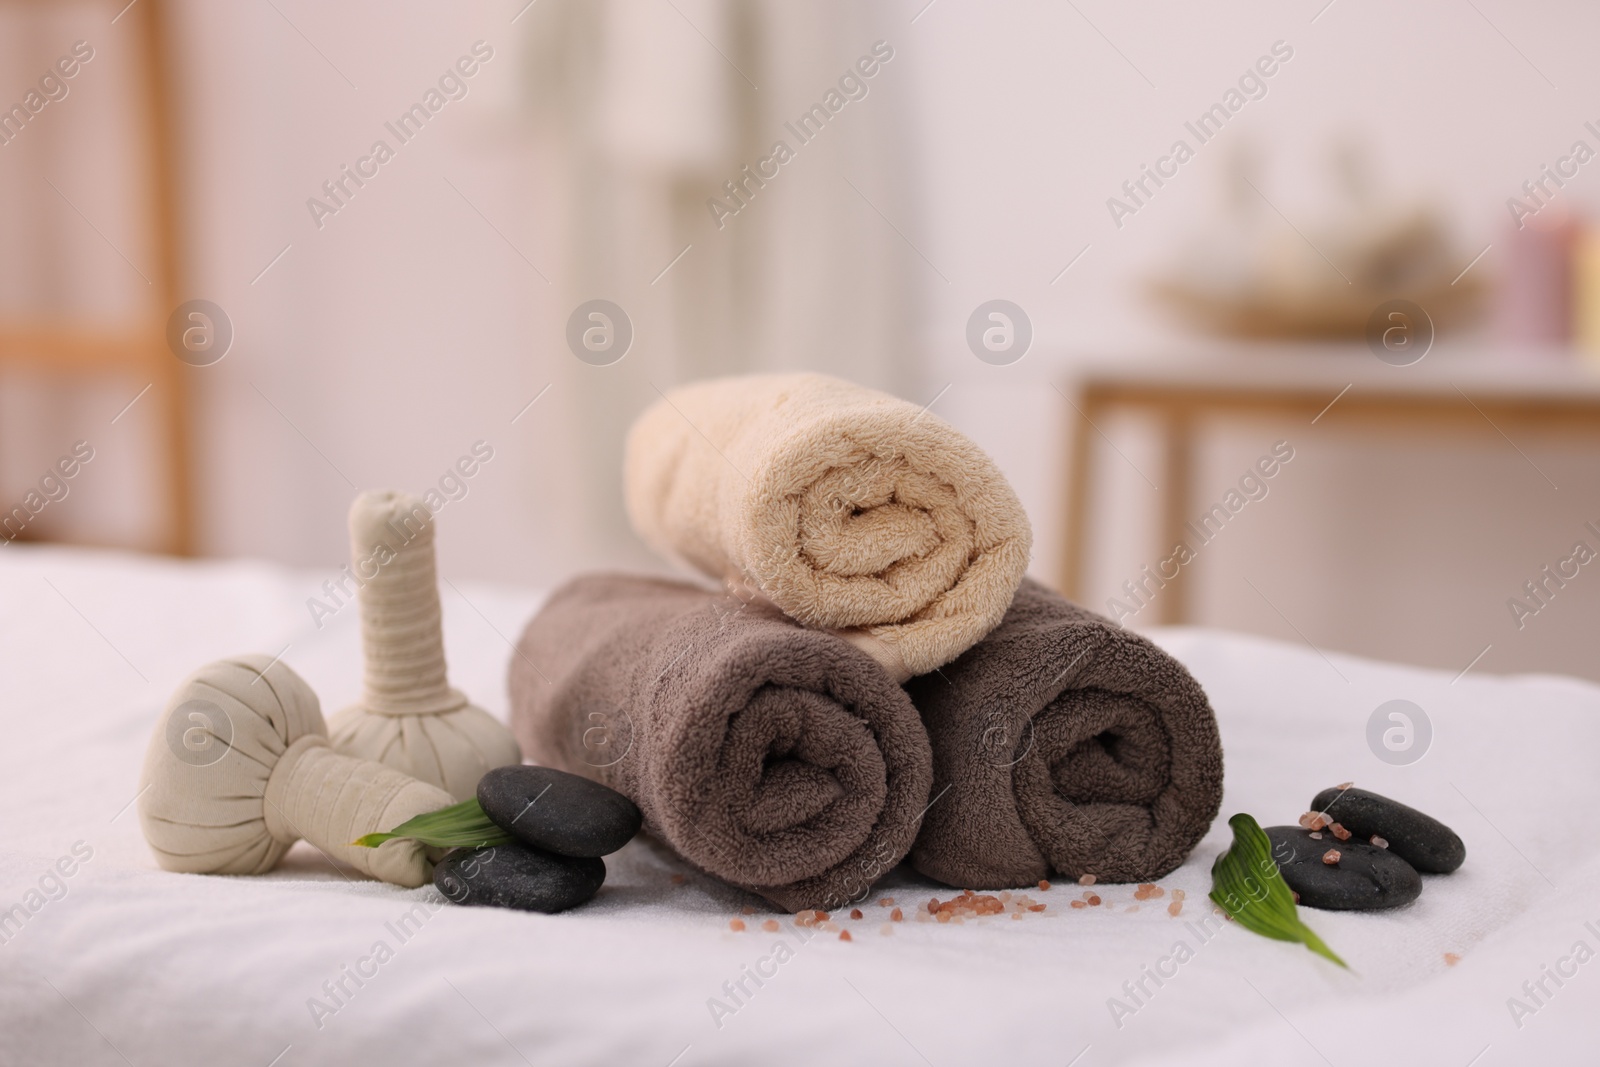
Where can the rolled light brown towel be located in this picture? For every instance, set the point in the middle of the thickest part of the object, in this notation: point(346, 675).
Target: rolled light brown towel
point(777, 758)
point(849, 509)
point(1064, 745)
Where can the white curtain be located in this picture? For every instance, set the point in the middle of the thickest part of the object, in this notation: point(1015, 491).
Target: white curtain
point(648, 107)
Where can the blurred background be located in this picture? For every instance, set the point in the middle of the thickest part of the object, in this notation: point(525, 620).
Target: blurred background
point(225, 309)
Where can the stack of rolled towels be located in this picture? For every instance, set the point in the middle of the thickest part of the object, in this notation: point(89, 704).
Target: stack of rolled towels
point(874, 680)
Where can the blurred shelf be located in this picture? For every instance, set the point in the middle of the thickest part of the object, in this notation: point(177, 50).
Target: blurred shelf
point(1563, 378)
point(73, 350)
point(67, 350)
point(1476, 392)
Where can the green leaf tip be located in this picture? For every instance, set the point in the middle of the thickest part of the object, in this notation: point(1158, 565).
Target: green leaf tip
point(1246, 884)
point(462, 825)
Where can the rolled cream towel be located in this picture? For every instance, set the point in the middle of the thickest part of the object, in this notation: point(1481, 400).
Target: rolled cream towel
point(409, 717)
point(239, 769)
point(849, 509)
point(777, 758)
point(1064, 744)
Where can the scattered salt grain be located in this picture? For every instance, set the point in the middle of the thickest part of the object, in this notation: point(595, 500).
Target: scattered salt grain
point(896, 915)
point(1378, 842)
point(844, 935)
point(1176, 907)
point(737, 925)
point(1314, 820)
point(968, 905)
point(1343, 786)
point(1331, 857)
point(855, 913)
point(1451, 959)
point(1079, 904)
point(1043, 885)
point(1340, 832)
point(886, 902)
point(1086, 879)
point(1315, 836)
point(771, 926)
point(1094, 900)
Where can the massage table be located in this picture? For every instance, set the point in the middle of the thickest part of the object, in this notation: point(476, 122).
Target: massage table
point(120, 962)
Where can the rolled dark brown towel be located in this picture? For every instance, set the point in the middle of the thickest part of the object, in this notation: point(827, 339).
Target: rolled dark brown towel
point(780, 759)
point(1064, 744)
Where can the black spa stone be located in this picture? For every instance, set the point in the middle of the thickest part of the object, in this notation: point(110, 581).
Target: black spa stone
point(1364, 879)
point(1421, 840)
point(515, 876)
point(557, 811)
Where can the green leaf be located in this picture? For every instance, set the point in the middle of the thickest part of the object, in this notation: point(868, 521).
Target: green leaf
point(462, 825)
point(1246, 884)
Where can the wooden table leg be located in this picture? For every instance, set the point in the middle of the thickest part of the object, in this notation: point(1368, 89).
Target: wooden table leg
point(161, 94)
point(1080, 467)
point(1177, 475)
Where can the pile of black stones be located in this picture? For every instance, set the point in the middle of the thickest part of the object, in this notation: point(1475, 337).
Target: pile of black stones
point(562, 824)
point(1358, 851)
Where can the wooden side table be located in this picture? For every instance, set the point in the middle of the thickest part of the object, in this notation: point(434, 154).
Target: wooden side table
point(1486, 395)
point(137, 349)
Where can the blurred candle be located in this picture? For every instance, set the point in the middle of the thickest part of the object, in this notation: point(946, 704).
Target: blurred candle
point(1534, 294)
point(1586, 293)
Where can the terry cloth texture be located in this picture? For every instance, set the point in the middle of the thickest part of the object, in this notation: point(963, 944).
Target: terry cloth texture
point(849, 509)
point(777, 758)
point(1068, 746)
point(239, 768)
